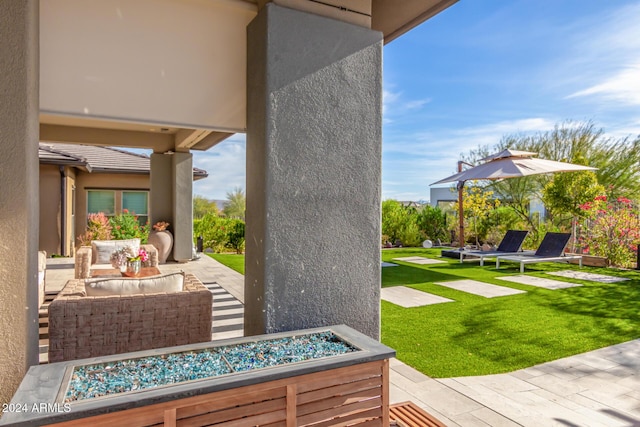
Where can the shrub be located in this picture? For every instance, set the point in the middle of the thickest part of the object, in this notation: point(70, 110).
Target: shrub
point(235, 235)
point(126, 226)
point(432, 223)
point(611, 229)
point(98, 228)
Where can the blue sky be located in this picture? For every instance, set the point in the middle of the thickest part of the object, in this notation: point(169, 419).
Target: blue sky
point(481, 70)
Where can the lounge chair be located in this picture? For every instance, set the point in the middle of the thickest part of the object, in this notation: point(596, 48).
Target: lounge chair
point(550, 250)
point(511, 244)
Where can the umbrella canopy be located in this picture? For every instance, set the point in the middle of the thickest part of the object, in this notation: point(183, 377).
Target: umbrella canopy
point(512, 164)
point(503, 165)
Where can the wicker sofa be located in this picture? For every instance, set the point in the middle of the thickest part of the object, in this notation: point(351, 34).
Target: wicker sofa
point(83, 326)
point(88, 257)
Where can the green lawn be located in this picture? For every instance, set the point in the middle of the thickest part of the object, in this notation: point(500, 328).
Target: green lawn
point(479, 336)
point(233, 261)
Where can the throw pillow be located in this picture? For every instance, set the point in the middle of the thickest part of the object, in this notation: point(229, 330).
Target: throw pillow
point(101, 250)
point(171, 282)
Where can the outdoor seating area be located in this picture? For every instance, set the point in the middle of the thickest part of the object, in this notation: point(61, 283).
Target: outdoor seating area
point(97, 256)
point(434, 396)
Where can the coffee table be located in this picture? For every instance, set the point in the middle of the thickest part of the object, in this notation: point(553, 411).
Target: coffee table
point(114, 272)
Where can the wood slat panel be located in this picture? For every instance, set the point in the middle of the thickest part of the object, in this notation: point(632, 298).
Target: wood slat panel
point(347, 399)
point(341, 376)
point(412, 415)
point(234, 413)
point(228, 398)
point(292, 403)
point(349, 409)
point(256, 420)
point(357, 418)
point(338, 390)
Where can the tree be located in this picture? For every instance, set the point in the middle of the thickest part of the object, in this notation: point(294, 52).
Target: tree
point(617, 160)
point(399, 223)
point(236, 204)
point(478, 204)
point(203, 206)
point(431, 221)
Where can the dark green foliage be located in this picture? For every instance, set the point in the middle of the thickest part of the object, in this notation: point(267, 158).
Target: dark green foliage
point(219, 233)
point(432, 223)
point(127, 226)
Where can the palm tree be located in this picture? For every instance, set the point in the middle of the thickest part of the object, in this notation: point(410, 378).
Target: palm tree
point(235, 206)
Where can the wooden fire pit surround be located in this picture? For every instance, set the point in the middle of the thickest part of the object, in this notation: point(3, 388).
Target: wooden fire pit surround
point(345, 389)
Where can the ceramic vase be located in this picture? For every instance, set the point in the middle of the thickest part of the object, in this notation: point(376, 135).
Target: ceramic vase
point(163, 242)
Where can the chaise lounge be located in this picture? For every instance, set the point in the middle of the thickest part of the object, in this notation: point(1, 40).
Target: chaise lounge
point(511, 244)
point(110, 316)
point(550, 250)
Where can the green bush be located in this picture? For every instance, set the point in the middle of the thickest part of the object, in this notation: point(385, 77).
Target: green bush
point(126, 226)
point(219, 233)
point(432, 223)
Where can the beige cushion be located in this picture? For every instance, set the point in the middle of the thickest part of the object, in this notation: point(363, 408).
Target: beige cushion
point(101, 250)
point(172, 282)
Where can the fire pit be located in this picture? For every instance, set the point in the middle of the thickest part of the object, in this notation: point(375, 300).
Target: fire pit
point(305, 377)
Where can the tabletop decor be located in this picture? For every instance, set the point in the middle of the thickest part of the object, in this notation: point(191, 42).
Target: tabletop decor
point(128, 260)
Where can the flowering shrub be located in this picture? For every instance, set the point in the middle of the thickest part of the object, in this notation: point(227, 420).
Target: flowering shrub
point(160, 225)
point(126, 226)
point(98, 228)
point(611, 229)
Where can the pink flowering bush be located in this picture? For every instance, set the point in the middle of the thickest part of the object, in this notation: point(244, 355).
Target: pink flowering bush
point(611, 229)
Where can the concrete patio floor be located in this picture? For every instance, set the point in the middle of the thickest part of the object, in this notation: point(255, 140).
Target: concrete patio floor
point(599, 388)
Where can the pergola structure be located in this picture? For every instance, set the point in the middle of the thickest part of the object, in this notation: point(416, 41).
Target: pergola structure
point(303, 79)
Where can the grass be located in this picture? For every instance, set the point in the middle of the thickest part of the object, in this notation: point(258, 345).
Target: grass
point(233, 261)
point(479, 336)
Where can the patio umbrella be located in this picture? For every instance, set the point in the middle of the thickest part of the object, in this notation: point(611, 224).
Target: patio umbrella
point(503, 165)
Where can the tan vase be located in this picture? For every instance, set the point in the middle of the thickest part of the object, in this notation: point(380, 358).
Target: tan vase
point(163, 242)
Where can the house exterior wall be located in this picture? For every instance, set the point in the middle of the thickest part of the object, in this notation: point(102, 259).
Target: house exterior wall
point(102, 181)
point(19, 135)
point(50, 212)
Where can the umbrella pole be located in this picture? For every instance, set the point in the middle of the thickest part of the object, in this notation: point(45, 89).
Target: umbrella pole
point(460, 208)
point(461, 214)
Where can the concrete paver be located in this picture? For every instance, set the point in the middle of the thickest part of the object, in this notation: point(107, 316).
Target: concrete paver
point(420, 260)
point(539, 282)
point(409, 297)
point(583, 275)
point(480, 288)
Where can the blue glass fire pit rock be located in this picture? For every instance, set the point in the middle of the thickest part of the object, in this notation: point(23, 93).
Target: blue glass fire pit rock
point(105, 379)
point(262, 354)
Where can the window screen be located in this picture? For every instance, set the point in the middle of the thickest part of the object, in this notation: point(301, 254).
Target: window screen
point(101, 201)
point(136, 202)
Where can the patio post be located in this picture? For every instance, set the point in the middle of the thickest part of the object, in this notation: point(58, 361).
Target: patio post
point(314, 114)
point(19, 202)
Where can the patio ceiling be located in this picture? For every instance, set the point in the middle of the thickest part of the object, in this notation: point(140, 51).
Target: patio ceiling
point(167, 74)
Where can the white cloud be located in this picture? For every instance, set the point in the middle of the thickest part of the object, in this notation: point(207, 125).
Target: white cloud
point(623, 86)
point(606, 59)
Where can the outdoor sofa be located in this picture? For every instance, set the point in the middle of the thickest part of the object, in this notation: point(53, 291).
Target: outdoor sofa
point(99, 317)
point(97, 256)
point(550, 250)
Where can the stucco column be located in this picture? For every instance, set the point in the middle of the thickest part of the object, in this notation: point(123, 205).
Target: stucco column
point(19, 207)
point(172, 199)
point(182, 167)
point(314, 112)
